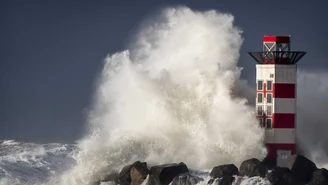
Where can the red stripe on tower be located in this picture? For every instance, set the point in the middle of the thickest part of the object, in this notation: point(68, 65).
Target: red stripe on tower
point(283, 120)
point(284, 90)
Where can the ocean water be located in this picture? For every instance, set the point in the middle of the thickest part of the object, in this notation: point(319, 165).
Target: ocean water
point(30, 163)
point(173, 95)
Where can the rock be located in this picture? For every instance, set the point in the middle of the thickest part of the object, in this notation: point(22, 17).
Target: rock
point(186, 179)
point(276, 174)
point(139, 173)
point(164, 174)
point(282, 176)
point(301, 167)
point(224, 170)
point(133, 174)
point(226, 180)
point(319, 177)
point(211, 181)
point(252, 167)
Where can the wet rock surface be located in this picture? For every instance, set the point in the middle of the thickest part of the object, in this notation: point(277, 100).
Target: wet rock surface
point(280, 176)
point(252, 167)
point(226, 180)
point(301, 167)
point(319, 177)
point(164, 174)
point(299, 171)
point(133, 174)
point(224, 170)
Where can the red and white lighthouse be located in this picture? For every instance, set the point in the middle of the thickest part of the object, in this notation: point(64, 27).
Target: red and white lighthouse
point(276, 70)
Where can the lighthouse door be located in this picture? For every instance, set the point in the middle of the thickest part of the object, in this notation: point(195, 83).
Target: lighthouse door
point(282, 157)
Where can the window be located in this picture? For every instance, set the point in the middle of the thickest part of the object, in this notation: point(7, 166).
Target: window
point(269, 98)
point(260, 85)
point(271, 75)
point(269, 110)
point(259, 97)
point(260, 110)
point(268, 122)
point(269, 85)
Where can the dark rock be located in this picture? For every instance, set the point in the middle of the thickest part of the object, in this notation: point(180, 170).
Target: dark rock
point(301, 167)
point(269, 163)
point(276, 174)
point(224, 170)
point(252, 167)
point(133, 174)
point(211, 181)
point(282, 176)
point(164, 174)
point(226, 180)
point(139, 173)
point(319, 177)
point(186, 179)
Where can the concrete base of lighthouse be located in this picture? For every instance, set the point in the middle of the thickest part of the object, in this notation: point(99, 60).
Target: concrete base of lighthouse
point(280, 159)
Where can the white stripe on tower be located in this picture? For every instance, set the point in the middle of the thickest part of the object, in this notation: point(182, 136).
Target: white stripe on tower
point(284, 105)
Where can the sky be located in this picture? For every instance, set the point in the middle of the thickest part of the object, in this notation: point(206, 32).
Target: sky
point(52, 51)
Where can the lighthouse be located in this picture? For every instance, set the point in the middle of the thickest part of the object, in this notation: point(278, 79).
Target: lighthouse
point(276, 111)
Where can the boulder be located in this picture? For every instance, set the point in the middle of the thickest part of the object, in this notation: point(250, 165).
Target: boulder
point(139, 173)
point(301, 167)
point(282, 176)
point(319, 177)
point(224, 170)
point(133, 174)
point(186, 179)
point(252, 167)
point(226, 180)
point(164, 174)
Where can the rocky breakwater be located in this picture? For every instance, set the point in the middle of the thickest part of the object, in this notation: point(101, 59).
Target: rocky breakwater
point(298, 171)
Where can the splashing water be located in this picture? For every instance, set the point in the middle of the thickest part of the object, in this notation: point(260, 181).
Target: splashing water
point(169, 98)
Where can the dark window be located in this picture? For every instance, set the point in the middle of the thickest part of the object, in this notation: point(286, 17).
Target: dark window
point(260, 110)
point(271, 75)
point(269, 110)
point(269, 98)
point(268, 123)
point(259, 97)
point(260, 85)
point(269, 85)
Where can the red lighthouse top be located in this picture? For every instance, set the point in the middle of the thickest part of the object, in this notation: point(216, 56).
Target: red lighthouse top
point(280, 39)
point(276, 50)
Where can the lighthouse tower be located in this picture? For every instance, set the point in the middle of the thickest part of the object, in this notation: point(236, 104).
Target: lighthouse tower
point(276, 96)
